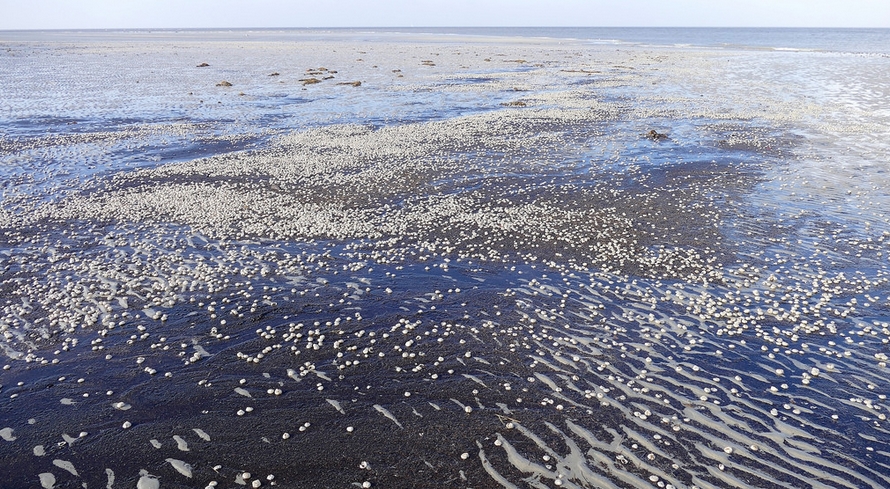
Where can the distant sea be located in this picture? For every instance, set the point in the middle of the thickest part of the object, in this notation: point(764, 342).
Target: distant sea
point(821, 39)
point(844, 40)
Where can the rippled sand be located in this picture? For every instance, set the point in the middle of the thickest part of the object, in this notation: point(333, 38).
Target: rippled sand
point(473, 269)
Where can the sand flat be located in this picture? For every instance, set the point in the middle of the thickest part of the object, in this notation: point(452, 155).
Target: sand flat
point(580, 262)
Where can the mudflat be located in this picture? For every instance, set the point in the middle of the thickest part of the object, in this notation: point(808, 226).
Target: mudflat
point(382, 259)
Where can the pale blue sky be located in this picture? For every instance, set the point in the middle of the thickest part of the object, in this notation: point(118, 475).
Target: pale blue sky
point(82, 14)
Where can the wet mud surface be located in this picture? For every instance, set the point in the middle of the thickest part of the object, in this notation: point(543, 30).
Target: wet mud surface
point(407, 283)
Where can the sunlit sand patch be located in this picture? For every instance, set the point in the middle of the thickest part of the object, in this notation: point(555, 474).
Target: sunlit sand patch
point(382, 410)
point(147, 481)
point(202, 434)
point(181, 467)
point(47, 480)
point(336, 405)
point(181, 444)
point(65, 465)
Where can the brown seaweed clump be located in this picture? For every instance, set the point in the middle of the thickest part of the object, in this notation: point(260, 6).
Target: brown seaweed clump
point(656, 136)
point(319, 71)
point(224, 84)
point(203, 65)
point(353, 83)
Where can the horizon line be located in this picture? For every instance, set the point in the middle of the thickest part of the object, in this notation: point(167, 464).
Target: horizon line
point(434, 27)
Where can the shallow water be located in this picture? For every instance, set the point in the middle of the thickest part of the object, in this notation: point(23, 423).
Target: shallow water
point(414, 282)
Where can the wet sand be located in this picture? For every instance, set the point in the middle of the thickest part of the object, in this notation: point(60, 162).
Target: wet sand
point(477, 268)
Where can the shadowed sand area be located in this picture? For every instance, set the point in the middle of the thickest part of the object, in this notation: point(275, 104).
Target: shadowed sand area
point(450, 261)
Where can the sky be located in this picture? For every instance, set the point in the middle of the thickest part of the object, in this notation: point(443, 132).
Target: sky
point(114, 14)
